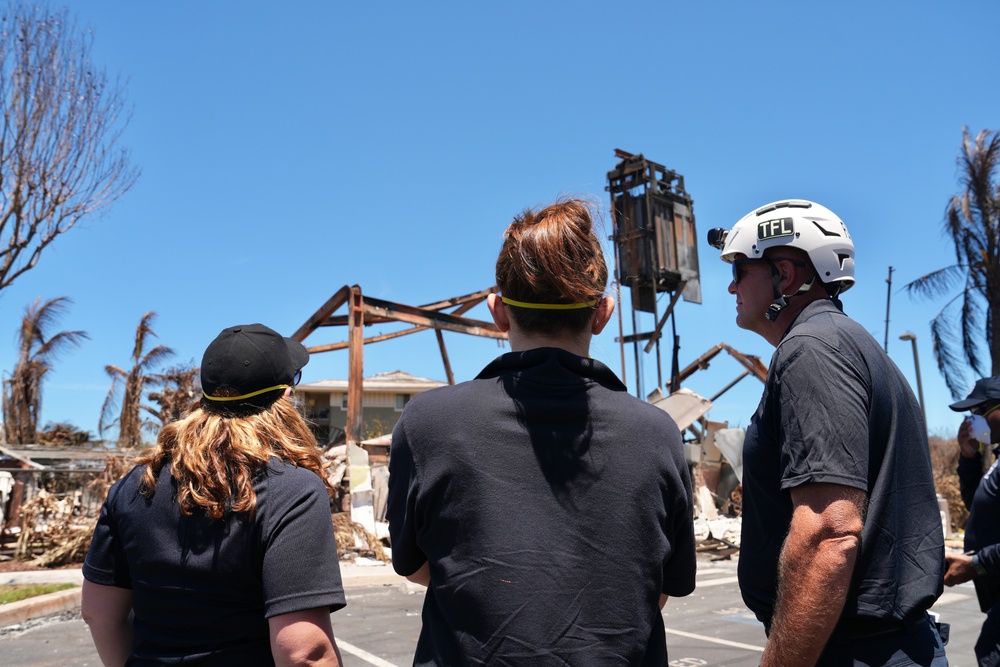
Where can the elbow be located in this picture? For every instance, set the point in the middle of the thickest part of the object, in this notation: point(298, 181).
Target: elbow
point(422, 576)
point(299, 656)
point(847, 545)
point(96, 617)
point(840, 549)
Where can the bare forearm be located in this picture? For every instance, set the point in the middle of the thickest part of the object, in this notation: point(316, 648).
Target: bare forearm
point(814, 572)
point(304, 638)
point(113, 642)
point(107, 610)
point(812, 586)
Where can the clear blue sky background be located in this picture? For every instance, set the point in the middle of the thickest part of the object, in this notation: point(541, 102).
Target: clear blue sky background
point(289, 150)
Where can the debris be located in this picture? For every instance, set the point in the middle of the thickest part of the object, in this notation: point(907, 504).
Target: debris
point(353, 538)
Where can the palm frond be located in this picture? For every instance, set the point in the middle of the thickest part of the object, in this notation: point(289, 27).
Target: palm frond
point(937, 282)
point(53, 346)
point(943, 340)
point(144, 330)
point(970, 323)
point(108, 418)
point(155, 356)
point(972, 221)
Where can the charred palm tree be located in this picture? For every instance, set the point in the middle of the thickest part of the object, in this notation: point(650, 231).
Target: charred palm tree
point(63, 434)
point(132, 384)
point(972, 219)
point(180, 389)
point(22, 391)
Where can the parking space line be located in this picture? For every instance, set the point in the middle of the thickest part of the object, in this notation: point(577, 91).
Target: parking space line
point(714, 640)
point(363, 654)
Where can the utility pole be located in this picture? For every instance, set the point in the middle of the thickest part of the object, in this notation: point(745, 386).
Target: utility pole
point(888, 297)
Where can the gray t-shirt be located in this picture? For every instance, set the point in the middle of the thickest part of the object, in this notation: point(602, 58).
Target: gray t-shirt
point(837, 410)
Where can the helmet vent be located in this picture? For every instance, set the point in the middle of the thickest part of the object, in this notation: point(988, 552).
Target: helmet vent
point(791, 203)
point(824, 231)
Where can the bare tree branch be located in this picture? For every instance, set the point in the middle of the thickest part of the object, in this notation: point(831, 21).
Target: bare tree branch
point(60, 123)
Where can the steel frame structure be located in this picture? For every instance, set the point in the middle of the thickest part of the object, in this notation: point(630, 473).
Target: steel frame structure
point(365, 311)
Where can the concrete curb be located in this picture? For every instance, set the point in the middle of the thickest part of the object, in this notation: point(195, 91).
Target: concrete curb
point(15, 613)
point(369, 575)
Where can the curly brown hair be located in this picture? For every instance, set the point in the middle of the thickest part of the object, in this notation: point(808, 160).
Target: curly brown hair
point(214, 457)
point(553, 256)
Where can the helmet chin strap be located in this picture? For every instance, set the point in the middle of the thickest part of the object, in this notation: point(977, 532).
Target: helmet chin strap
point(781, 300)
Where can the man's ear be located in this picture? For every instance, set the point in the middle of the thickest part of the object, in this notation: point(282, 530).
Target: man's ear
point(788, 273)
point(603, 315)
point(498, 309)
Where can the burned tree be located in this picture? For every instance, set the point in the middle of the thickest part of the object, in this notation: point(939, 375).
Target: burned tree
point(60, 122)
point(180, 389)
point(969, 339)
point(133, 384)
point(22, 391)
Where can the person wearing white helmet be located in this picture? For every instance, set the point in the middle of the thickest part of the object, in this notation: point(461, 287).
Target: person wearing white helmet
point(842, 550)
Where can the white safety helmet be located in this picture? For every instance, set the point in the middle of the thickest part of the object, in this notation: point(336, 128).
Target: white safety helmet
point(794, 223)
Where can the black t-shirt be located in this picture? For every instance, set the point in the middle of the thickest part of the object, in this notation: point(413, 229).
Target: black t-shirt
point(203, 589)
point(553, 508)
point(836, 410)
point(982, 530)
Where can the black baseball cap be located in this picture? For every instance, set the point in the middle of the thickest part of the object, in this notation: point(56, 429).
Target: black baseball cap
point(986, 390)
point(248, 367)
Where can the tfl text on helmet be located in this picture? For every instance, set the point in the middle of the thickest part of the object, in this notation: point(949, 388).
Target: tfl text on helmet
point(775, 228)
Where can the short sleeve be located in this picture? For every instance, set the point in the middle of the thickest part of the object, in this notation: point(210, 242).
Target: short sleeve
point(300, 568)
point(823, 417)
point(401, 501)
point(681, 567)
point(105, 563)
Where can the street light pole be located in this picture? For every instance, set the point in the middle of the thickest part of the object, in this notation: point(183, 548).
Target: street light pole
point(916, 365)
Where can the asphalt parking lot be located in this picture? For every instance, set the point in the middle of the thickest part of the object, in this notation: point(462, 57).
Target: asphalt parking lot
point(380, 625)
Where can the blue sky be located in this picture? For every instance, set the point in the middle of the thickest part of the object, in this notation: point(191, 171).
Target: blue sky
point(289, 150)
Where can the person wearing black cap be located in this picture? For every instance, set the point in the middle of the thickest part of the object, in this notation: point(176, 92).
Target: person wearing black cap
point(981, 495)
point(217, 548)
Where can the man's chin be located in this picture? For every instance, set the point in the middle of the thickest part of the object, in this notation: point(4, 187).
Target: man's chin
point(746, 323)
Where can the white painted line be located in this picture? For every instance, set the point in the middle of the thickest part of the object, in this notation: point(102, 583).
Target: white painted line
point(363, 654)
point(714, 640)
point(948, 598)
point(716, 582)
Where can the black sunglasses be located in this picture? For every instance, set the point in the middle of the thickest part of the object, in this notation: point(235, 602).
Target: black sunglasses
point(982, 410)
point(739, 263)
point(297, 377)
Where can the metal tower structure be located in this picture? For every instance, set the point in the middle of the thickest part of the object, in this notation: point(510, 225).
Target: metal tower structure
point(656, 251)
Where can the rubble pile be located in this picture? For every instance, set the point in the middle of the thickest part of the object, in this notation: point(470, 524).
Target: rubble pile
point(354, 540)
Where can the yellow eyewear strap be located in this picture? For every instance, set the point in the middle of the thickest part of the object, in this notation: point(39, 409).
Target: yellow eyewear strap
point(990, 410)
point(548, 306)
point(225, 399)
